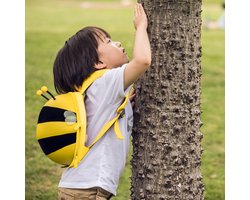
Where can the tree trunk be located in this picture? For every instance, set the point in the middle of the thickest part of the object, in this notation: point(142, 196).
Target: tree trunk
point(166, 137)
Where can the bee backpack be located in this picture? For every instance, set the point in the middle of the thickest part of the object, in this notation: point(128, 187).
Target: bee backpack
point(61, 126)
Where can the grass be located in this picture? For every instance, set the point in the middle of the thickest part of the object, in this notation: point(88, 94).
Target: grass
point(213, 107)
point(50, 22)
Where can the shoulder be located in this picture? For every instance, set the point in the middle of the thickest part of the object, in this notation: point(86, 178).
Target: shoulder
point(110, 87)
point(111, 77)
point(115, 72)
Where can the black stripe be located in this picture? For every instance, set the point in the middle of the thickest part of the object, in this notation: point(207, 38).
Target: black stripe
point(55, 143)
point(50, 114)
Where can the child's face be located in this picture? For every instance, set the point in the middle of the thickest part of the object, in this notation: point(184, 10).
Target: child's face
point(111, 53)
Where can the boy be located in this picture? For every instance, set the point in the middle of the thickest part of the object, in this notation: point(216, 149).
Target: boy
point(92, 49)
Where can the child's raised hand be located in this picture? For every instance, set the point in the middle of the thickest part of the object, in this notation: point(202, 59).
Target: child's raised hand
point(141, 59)
point(140, 18)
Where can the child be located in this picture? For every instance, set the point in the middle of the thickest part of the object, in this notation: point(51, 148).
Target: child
point(91, 49)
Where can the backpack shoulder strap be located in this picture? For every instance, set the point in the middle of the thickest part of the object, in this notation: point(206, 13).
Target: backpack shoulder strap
point(114, 121)
point(95, 75)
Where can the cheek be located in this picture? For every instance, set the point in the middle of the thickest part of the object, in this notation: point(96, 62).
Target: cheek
point(114, 54)
point(114, 57)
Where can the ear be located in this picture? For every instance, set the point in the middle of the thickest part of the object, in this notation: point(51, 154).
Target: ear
point(100, 65)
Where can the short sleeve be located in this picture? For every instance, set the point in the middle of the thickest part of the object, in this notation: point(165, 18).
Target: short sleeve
point(109, 89)
point(114, 85)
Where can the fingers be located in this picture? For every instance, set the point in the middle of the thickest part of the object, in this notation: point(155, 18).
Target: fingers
point(140, 18)
point(133, 104)
point(138, 9)
point(132, 95)
point(132, 101)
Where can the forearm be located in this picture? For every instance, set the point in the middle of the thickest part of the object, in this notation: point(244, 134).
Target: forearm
point(142, 51)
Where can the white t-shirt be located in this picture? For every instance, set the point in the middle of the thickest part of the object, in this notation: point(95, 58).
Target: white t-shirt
point(105, 161)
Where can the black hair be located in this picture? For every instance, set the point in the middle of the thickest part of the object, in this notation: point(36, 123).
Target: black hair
point(76, 59)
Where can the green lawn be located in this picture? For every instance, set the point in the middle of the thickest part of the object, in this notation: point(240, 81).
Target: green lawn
point(50, 22)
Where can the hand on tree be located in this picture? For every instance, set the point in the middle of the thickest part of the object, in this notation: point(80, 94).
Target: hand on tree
point(132, 98)
point(140, 18)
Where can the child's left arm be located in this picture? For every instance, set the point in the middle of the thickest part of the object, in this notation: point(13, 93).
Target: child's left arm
point(132, 98)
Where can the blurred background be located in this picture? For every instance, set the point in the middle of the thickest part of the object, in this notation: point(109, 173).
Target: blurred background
point(49, 23)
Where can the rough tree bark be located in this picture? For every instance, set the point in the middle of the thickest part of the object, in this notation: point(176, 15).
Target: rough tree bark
point(166, 137)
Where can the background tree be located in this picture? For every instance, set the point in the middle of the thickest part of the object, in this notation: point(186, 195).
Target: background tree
point(166, 138)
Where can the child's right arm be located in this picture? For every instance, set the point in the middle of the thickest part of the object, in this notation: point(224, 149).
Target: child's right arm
point(141, 53)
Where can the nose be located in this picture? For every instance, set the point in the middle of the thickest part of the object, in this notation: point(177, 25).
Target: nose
point(117, 43)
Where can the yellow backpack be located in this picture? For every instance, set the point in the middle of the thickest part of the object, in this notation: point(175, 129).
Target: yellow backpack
point(61, 126)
